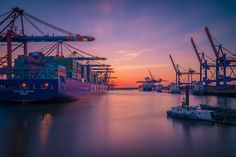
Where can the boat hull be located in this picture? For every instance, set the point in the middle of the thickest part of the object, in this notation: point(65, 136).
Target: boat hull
point(210, 115)
point(10, 90)
point(197, 115)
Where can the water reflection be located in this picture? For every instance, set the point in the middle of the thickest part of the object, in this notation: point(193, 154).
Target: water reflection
point(121, 123)
point(20, 125)
point(225, 102)
point(45, 126)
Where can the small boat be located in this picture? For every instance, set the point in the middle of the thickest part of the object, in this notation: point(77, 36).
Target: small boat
point(188, 112)
point(202, 112)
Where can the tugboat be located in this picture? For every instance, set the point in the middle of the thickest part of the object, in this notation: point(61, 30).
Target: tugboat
point(202, 112)
point(189, 112)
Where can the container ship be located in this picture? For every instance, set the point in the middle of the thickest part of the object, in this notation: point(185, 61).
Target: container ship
point(40, 76)
point(37, 77)
point(146, 85)
point(150, 84)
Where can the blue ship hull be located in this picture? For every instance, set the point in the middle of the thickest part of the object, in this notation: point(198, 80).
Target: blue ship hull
point(11, 90)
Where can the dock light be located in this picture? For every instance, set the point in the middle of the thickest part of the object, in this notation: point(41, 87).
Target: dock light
point(23, 85)
point(85, 39)
point(46, 85)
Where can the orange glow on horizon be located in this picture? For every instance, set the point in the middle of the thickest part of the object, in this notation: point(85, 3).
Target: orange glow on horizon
point(128, 78)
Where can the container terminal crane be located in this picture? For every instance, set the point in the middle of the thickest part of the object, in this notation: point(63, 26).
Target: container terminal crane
point(40, 75)
point(217, 74)
point(150, 83)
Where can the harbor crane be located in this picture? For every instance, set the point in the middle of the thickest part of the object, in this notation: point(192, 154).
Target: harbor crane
point(12, 30)
point(184, 77)
point(9, 35)
point(150, 83)
point(153, 79)
point(207, 69)
point(58, 71)
point(225, 62)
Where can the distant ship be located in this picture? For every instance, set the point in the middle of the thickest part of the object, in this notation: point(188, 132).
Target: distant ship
point(147, 84)
point(174, 88)
point(150, 84)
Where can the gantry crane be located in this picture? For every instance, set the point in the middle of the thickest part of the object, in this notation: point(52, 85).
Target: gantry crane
point(183, 77)
point(10, 34)
point(207, 69)
point(177, 71)
point(225, 62)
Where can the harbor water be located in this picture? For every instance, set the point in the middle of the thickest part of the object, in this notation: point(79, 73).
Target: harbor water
point(118, 123)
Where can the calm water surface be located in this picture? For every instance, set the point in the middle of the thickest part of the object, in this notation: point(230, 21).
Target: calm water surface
point(119, 123)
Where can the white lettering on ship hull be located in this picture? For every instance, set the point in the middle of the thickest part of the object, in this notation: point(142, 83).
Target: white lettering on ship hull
point(23, 92)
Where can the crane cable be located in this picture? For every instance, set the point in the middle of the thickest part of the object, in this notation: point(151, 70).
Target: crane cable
point(27, 19)
point(49, 25)
point(5, 14)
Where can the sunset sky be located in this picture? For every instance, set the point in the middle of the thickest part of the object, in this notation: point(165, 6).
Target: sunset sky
point(137, 35)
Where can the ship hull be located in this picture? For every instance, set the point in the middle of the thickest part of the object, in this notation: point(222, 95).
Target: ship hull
point(56, 90)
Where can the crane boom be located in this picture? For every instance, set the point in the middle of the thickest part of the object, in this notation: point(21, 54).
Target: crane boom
point(172, 61)
point(26, 38)
point(211, 42)
point(102, 69)
point(97, 65)
point(150, 74)
point(196, 51)
point(86, 58)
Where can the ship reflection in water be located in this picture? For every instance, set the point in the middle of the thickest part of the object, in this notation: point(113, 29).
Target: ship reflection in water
point(119, 123)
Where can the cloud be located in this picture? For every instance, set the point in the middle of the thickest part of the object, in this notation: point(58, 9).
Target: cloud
point(138, 51)
point(121, 51)
point(131, 67)
point(126, 55)
point(129, 54)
